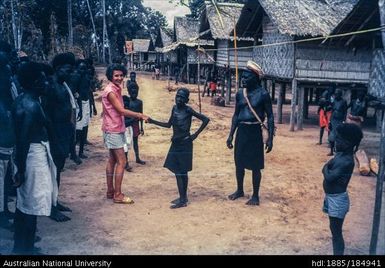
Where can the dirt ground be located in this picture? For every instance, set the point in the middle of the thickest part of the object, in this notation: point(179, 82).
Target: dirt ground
point(289, 219)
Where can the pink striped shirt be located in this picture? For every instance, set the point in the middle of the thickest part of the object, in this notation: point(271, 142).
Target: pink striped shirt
point(113, 121)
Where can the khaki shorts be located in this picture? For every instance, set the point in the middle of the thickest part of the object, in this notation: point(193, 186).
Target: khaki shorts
point(114, 140)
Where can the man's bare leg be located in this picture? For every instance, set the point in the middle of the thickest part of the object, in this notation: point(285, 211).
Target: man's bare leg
point(240, 173)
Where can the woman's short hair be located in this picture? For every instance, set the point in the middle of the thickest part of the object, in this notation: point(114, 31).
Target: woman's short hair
point(115, 67)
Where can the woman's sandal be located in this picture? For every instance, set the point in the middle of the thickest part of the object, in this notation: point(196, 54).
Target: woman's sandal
point(124, 200)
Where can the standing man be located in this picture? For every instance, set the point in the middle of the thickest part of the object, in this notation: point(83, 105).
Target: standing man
point(60, 109)
point(358, 109)
point(84, 103)
point(132, 80)
point(36, 172)
point(325, 113)
point(248, 152)
point(176, 72)
point(7, 135)
point(135, 105)
point(339, 112)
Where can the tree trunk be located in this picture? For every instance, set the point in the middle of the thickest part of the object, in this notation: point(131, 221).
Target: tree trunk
point(94, 28)
point(70, 28)
point(381, 4)
point(104, 31)
point(14, 27)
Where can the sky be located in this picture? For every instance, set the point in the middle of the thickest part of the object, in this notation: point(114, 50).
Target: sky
point(167, 9)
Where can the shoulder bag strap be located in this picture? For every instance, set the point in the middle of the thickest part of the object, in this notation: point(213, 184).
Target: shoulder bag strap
point(252, 110)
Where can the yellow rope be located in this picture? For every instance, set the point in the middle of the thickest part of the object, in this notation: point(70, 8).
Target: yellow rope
point(304, 40)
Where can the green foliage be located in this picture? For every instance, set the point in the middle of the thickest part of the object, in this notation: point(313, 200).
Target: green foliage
point(127, 19)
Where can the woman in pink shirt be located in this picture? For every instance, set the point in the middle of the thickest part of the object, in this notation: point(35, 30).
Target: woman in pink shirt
point(113, 132)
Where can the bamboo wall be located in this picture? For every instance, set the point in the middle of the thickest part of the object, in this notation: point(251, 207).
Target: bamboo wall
point(192, 56)
point(171, 56)
point(222, 53)
point(227, 57)
point(315, 63)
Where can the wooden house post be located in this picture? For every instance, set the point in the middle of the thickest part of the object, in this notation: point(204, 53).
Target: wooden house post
point(228, 89)
point(280, 101)
point(268, 86)
point(300, 107)
point(293, 103)
point(381, 174)
point(188, 73)
point(306, 104)
point(311, 93)
point(379, 192)
point(272, 90)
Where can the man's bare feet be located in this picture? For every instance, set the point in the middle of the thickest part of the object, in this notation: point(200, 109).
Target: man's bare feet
point(254, 201)
point(175, 201)
point(56, 215)
point(60, 207)
point(179, 205)
point(139, 161)
point(236, 195)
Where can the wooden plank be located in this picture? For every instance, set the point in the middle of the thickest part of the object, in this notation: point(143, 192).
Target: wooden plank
point(379, 192)
point(300, 107)
point(280, 101)
point(188, 73)
point(293, 103)
point(306, 104)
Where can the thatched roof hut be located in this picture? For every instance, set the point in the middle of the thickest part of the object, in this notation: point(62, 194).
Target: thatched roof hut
point(221, 29)
point(307, 17)
point(163, 39)
point(213, 26)
point(295, 18)
point(310, 64)
point(143, 45)
point(185, 29)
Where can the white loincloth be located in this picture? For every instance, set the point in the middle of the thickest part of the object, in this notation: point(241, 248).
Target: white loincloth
point(128, 137)
point(86, 116)
point(3, 172)
point(39, 191)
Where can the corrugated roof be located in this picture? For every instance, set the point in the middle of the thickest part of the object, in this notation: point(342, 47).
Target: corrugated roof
point(307, 17)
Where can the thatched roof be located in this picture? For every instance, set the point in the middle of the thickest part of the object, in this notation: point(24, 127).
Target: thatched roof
point(193, 43)
point(211, 23)
point(186, 32)
point(302, 17)
point(164, 38)
point(365, 15)
point(142, 45)
point(185, 29)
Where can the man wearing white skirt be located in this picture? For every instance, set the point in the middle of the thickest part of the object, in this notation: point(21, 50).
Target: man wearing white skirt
point(84, 103)
point(36, 172)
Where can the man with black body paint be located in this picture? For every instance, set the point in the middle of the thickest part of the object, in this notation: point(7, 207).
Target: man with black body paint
point(179, 157)
point(248, 152)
